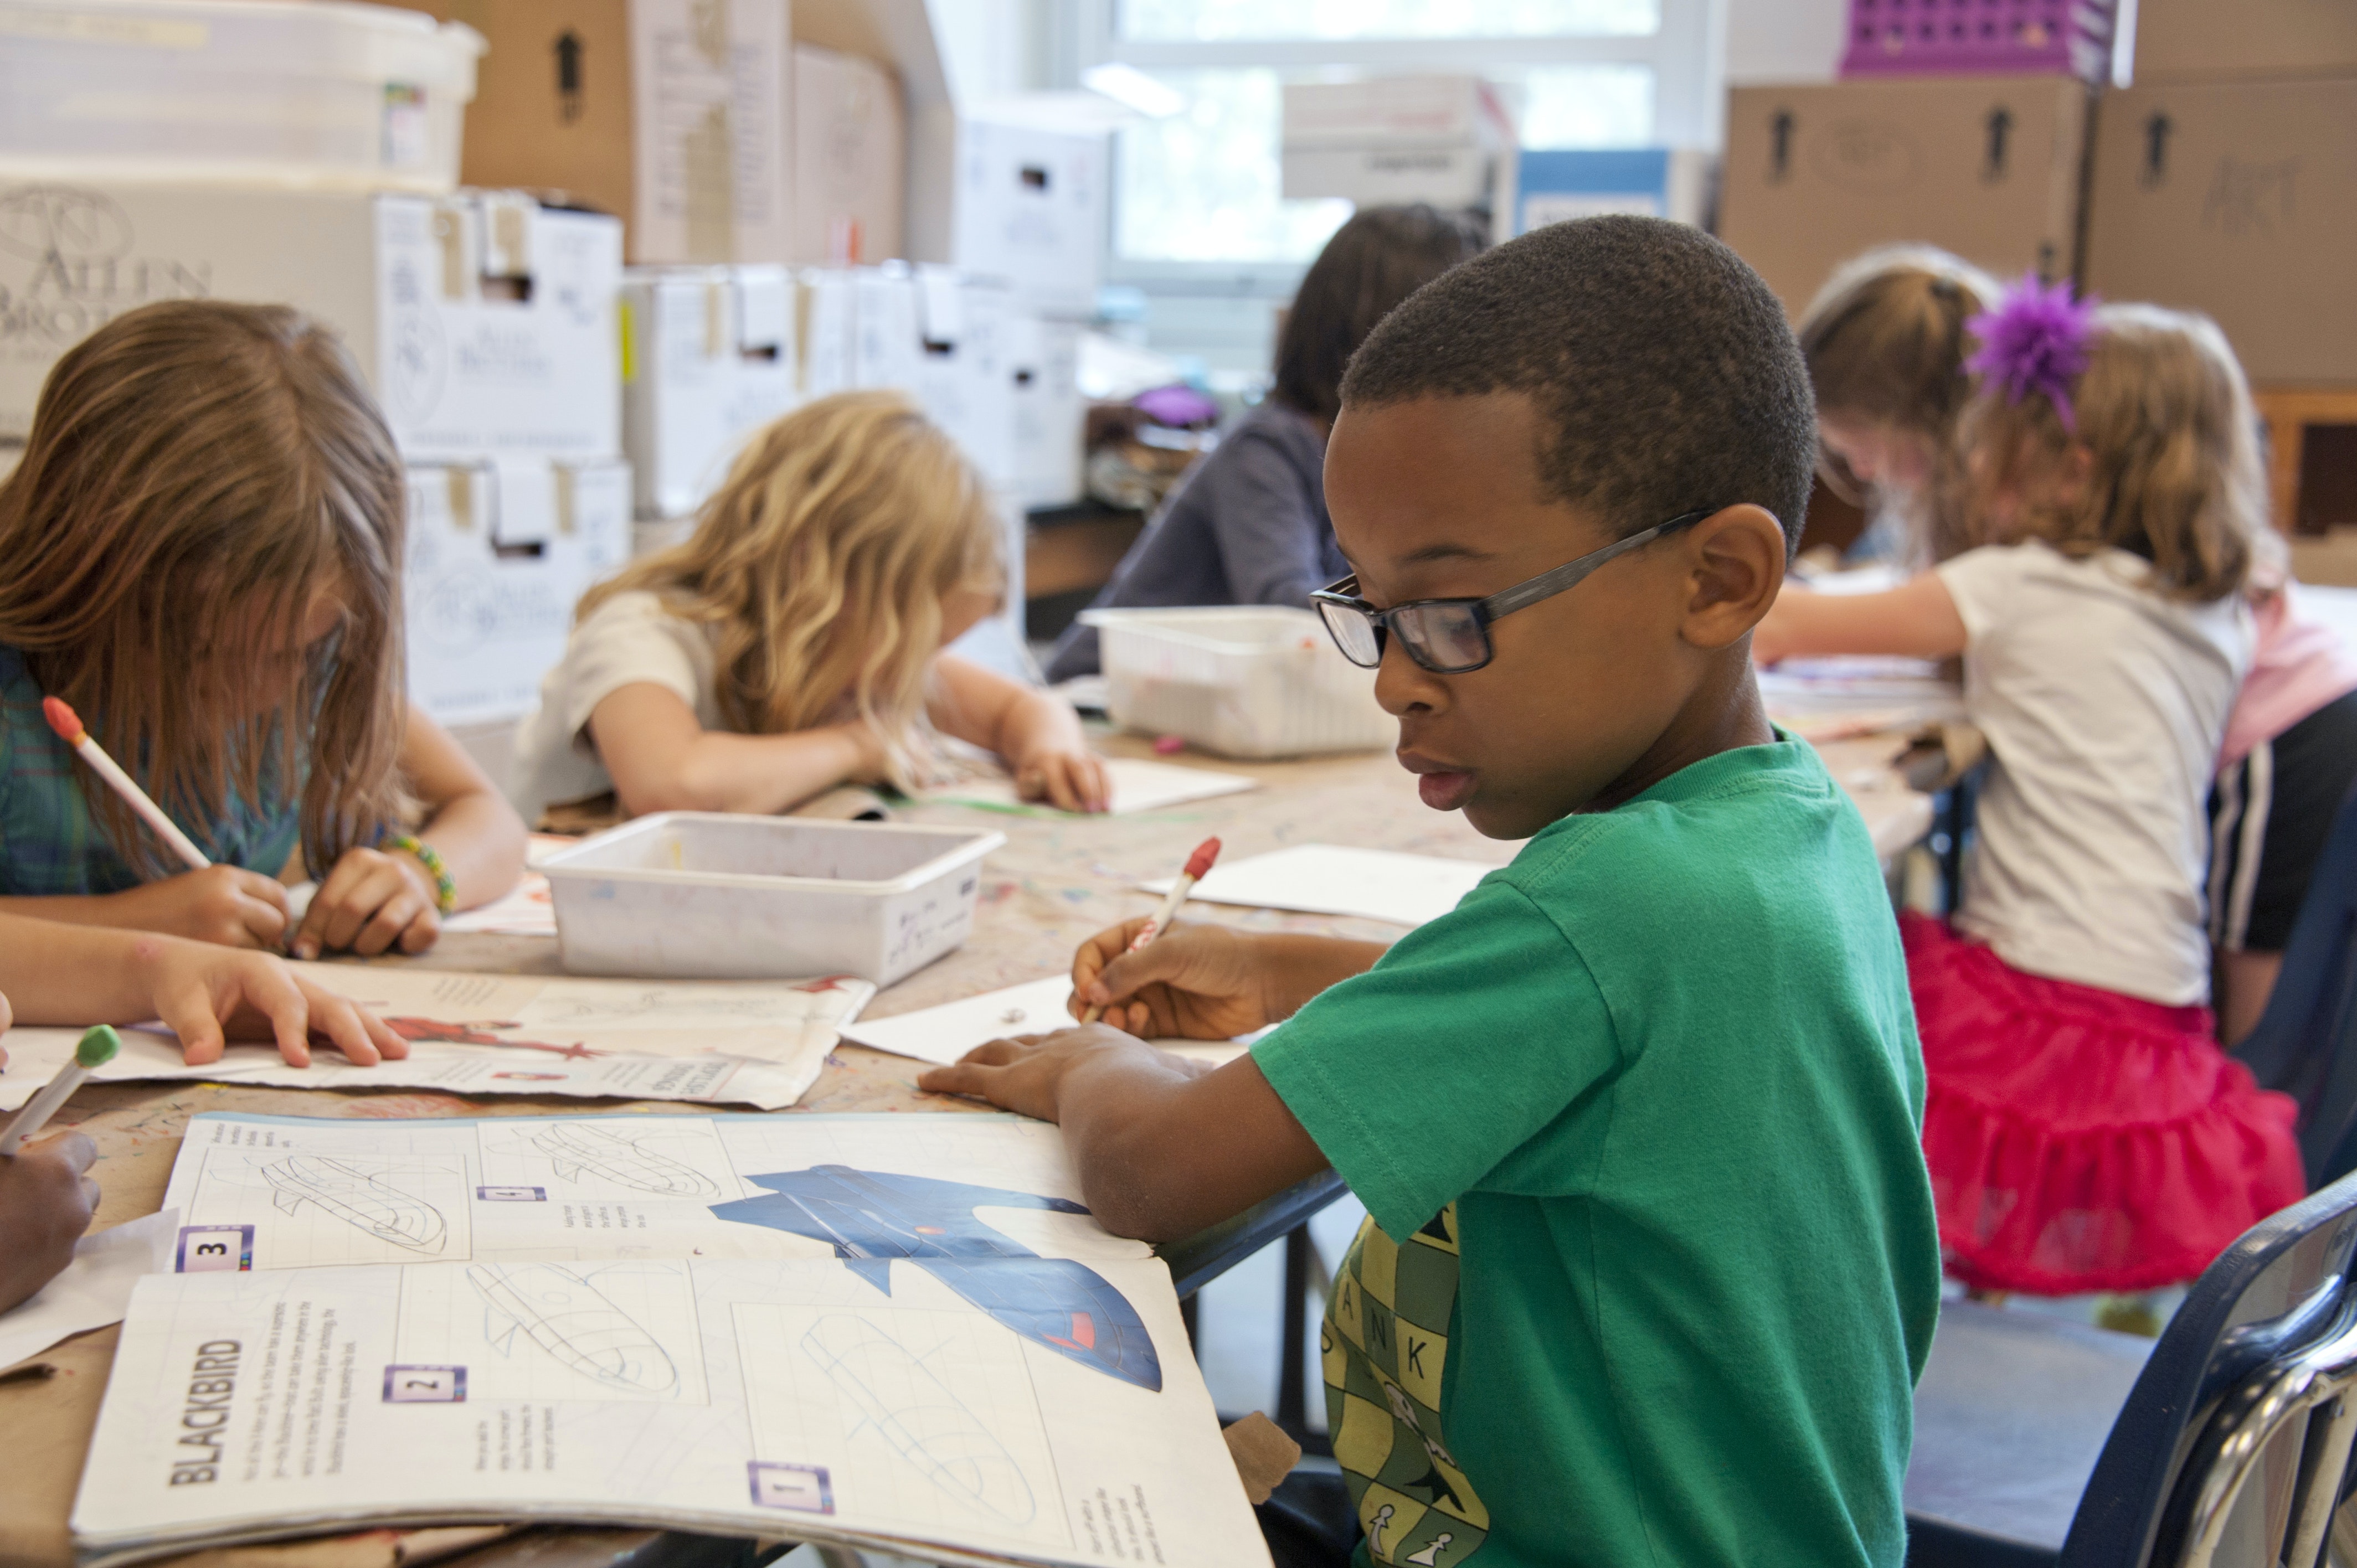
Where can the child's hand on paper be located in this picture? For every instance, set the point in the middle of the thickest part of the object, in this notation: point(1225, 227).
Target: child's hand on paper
point(1067, 780)
point(209, 996)
point(223, 904)
point(1195, 982)
point(1025, 1074)
point(371, 901)
point(45, 1206)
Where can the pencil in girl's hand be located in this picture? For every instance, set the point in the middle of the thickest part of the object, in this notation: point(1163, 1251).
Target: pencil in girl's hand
point(63, 719)
point(97, 1049)
point(1197, 864)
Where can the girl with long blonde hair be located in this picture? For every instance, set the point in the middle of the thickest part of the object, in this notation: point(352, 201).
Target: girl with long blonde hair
point(2084, 1130)
point(793, 642)
point(202, 550)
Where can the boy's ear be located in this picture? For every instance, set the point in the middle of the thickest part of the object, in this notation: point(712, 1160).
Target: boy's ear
point(1735, 567)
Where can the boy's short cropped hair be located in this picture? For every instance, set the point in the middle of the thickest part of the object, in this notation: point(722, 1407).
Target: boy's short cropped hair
point(1662, 365)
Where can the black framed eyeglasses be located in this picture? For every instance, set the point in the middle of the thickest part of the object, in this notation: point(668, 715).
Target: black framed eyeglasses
point(1451, 637)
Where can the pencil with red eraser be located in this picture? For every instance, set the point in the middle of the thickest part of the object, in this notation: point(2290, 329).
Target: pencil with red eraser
point(1197, 865)
point(63, 719)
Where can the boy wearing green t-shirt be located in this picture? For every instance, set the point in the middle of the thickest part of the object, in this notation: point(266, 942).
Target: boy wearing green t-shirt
point(1651, 1266)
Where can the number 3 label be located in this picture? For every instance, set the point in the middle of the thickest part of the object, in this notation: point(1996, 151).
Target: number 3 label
point(215, 1249)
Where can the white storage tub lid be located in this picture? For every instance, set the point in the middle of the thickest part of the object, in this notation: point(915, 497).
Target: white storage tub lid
point(263, 37)
point(1226, 629)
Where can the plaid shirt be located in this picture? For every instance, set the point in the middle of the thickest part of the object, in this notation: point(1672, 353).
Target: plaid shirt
point(49, 845)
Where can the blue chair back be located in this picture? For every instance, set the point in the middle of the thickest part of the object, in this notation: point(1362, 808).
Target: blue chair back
point(2254, 1360)
point(2303, 1044)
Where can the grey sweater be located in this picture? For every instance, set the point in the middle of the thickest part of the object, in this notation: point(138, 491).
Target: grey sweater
point(1247, 525)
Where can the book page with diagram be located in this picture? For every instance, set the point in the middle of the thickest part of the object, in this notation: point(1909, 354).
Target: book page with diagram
point(902, 1331)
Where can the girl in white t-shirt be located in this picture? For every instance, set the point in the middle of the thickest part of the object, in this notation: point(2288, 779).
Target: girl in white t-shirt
point(794, 641)
point(2084, 1130)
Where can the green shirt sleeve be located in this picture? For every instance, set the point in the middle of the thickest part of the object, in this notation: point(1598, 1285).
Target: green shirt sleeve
point(1417, 1077)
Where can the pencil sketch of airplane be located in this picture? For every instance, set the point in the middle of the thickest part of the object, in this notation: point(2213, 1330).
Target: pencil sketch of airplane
point(927, 1424)
point(573, 1148)
point(871, 1218)
point(362, 1201)
point(574, 1322)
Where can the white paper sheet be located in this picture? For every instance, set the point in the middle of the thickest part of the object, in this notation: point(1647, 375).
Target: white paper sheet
point(891, 1330)
point(944, 1034)
point(1330, 879)
point(1139, 785)
point(747, 1042)
point(94, 1288)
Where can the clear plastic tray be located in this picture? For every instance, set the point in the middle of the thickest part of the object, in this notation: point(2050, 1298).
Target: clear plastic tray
point(1242, 680)
point(718, 896)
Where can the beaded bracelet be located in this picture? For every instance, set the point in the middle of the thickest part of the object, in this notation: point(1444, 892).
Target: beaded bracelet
point(445, 887)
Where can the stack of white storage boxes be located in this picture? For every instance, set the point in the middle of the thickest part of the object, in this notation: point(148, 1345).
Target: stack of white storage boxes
point(307, 156)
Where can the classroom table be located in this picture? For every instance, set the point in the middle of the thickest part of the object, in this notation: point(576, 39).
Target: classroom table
point(1058, 880)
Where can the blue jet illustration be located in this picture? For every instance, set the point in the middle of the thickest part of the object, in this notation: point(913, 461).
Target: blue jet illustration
point(873, 1217)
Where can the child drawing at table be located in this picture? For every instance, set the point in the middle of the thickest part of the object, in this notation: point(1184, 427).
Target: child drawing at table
point(75, 976)
point(2084, 1130)
point(795, 642)
point(1650, 1264)
point(203, 546)
point(1885, 342)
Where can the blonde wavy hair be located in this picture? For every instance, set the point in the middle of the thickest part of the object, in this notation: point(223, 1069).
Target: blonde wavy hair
point(822, 561)
point(2172, 460)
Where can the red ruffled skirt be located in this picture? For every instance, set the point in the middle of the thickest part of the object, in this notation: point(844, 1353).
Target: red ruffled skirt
point(2081, 1140)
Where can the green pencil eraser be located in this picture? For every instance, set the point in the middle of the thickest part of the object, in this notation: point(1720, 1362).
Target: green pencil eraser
point(98, 1046)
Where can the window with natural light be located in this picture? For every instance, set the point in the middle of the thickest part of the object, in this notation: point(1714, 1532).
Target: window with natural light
point(1202, 184)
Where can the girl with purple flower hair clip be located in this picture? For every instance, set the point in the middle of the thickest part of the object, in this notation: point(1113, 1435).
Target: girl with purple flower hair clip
point(2084, 1130)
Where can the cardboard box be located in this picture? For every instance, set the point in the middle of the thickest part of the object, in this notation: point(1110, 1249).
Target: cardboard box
point(498, 555)
point(708, 359)
point(2205, 39)
point(2239, 200)
point(1989, 167)
point(1552, 186)
point(1395, 139)
point(670, 113)
point(1030, 213)
point(485, 324)
point(850, 157)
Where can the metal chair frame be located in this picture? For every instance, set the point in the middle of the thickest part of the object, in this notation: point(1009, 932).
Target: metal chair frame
point(2314, 1388)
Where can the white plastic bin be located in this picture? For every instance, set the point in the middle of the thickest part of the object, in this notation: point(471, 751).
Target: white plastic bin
point(259, 91)
point(1242, 680)
point(716, 896)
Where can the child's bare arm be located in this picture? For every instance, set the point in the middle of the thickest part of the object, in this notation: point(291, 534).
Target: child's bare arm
point(1163, 1150)
point(661, 759)
point(223, 904)
point(1917, 619)
point(76, 975)
point(372, 899)
point(1037, 732)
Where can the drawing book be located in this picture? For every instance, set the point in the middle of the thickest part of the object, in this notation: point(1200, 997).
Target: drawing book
point(902, 1332)
point(758, 1043)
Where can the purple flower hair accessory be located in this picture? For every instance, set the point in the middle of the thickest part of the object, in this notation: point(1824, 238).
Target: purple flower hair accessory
point(2035, 341)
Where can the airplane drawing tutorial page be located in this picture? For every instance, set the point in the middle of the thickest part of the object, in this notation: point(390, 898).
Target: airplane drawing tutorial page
point(888, 1330)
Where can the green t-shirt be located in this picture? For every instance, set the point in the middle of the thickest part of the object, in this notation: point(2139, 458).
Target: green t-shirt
point(1656, 1267)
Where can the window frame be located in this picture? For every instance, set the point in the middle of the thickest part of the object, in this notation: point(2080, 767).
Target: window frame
point(1687, 56)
